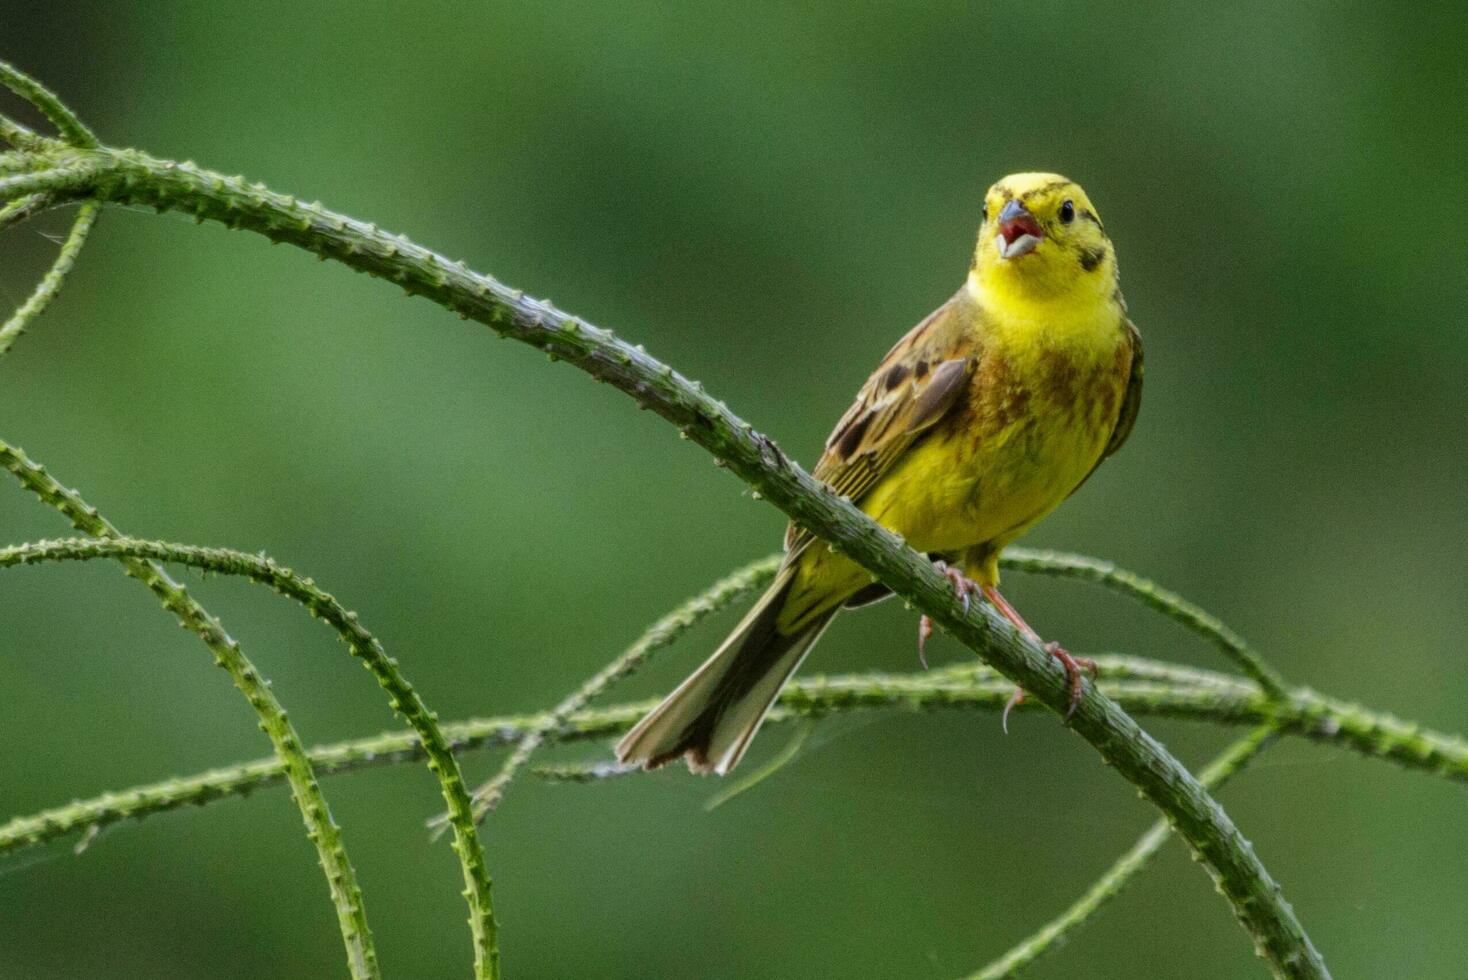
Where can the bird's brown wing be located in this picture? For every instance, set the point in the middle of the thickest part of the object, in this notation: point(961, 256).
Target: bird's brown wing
point(919, 380)
point(1131, 400)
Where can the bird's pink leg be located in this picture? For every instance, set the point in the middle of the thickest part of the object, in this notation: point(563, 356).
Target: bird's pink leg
point(1071, 664)
point(963, 587)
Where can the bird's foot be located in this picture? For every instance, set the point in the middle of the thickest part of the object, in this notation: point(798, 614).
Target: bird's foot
point(1073, 667)
point(963, 587)
point(1017, 698)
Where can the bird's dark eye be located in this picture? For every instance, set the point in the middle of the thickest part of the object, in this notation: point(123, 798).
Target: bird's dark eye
point(1067, 212)
point(984, 213)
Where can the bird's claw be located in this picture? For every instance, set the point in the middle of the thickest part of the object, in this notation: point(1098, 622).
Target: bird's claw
point(1018, 697)
point(1073, 667)
point(963, 587)
point(925, 630)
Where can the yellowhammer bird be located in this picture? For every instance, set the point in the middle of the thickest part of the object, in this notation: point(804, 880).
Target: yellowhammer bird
point(979, 422)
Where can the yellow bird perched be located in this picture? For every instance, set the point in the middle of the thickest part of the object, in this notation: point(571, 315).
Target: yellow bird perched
point(976, 425)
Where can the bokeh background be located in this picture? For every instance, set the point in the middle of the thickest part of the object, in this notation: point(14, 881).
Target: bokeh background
point(766, 195)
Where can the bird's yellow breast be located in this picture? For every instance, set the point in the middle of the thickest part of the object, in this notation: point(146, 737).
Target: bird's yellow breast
point(1037, 418)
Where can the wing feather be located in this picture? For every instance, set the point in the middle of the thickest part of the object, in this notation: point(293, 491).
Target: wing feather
point(917, 383)
point(1131, 401)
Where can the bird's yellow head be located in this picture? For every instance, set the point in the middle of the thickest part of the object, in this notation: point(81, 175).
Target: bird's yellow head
point(1041, 239)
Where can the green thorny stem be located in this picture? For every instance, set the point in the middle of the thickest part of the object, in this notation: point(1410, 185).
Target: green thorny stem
point(1139, 685)
point(50, 284)
point(19, 208)
point(65, 121)
point(1142, 686)
point(20, 204)
point(322, 829)
point(74, 172)
point(23, 209)
point(341, 877)
point(363, 645)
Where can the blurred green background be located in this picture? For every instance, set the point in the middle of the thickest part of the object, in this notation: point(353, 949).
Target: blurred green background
point(766, 195)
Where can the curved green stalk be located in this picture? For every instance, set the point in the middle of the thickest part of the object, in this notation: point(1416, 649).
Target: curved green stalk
point(1141, 686)
point(63, 182)
point(363, 645)
point(1154, 596)
point(660, 634)
point(19, 136)
point(38, 95)
point(341, 877)
point(1233, 758)
point(22, 208)
point(585, 772)
point(50, 284)
point(131, 177)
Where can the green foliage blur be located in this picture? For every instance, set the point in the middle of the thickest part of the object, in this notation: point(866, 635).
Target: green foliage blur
point(766, 195)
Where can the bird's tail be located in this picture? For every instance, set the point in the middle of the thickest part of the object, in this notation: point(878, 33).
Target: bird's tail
point(714, 714)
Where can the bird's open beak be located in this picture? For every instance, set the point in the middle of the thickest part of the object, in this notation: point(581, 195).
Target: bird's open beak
point(1019, 232)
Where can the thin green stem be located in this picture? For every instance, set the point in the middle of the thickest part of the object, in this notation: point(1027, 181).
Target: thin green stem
point(60, 181)
point(404, 699)
point(1141, 686)
point(1143, 668)
point(38, 95)
point(1154, 596)
point(1045, 939)
point(661, 634)
point(22, 208)
point(51, 283)
point(131, 177)
point(585, 772)
point(341, 877)
point(17, 135)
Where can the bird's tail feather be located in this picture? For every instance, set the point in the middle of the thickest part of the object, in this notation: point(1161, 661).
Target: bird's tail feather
point(714, 714)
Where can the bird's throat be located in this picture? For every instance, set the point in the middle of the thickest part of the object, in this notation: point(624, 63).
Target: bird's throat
point(1077, 316)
